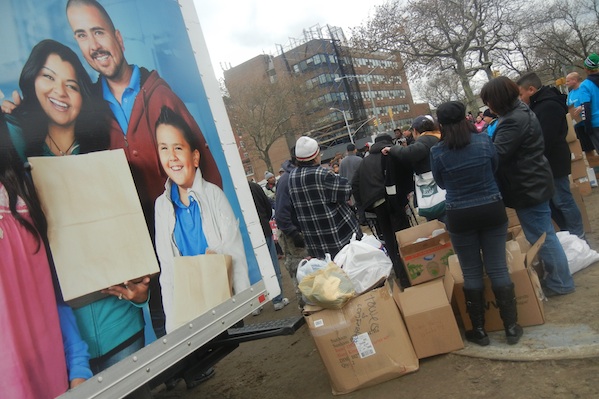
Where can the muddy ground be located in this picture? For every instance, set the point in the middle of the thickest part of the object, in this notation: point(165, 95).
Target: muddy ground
point(290, 366)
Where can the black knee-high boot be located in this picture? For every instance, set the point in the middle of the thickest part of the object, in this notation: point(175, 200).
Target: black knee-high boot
point(475, 300)
point(506, 301)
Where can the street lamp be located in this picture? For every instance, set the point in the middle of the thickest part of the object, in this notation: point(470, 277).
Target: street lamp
point(367, 120)
point(340, 78)
point(346, 123)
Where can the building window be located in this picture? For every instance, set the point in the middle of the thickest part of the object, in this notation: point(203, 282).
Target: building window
point(249, 169)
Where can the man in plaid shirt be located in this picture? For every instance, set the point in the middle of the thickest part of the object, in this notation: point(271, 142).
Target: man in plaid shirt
point(320, 200)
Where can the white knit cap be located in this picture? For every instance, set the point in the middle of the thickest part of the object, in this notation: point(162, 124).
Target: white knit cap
point(306, 149)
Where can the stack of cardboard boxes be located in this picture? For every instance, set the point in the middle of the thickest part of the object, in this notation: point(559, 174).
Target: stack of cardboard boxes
point(426, 305)
point(382, 334)
point(527, 286)
point(364, 343)
point(370, 340)
point(581, 175)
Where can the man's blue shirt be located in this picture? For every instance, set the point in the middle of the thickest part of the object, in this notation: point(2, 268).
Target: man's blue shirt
point(122, 110)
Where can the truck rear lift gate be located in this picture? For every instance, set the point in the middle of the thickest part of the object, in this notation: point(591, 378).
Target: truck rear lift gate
point(213, 352)
point(150, 363)
point(265, 329)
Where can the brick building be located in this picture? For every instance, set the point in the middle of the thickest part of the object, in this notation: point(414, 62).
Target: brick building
point(345, 92)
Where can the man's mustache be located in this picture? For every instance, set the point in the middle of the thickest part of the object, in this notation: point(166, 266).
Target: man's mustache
point(100, 53)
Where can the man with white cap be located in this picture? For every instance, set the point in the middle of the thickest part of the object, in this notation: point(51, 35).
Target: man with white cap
point(320, 198)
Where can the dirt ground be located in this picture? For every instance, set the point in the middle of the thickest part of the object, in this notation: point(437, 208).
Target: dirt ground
point(290, 366)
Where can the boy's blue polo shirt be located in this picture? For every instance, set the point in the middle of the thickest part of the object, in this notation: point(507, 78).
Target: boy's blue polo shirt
point(189, 235)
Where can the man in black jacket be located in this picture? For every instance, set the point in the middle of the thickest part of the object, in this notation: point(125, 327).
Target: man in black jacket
point(369, 190)
point(549, 105)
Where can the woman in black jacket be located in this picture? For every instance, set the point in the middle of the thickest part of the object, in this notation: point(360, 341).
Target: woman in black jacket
point(525, 179)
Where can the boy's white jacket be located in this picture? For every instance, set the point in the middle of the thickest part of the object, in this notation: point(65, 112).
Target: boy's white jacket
point(221, 229)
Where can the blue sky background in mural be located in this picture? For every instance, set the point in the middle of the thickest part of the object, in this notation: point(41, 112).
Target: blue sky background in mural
point(154, 36)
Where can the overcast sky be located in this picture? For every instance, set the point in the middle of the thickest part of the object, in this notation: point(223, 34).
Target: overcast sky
point(238, 30)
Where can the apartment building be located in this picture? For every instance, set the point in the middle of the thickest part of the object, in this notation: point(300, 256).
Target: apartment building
point(344, 94)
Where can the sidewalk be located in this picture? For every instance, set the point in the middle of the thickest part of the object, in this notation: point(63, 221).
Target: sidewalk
point(571, 329)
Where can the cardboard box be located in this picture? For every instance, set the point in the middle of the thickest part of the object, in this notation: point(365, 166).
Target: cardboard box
point(526, 286)
point(513, 232)
point(426, 310)
point(364, 343)
point(582, 207)
point(424, 260)
point(98, 235)
point(584, 186)
point(571, 136)
point(575, 150)
point(593, 160)
point(579, 169)
point(512, 217)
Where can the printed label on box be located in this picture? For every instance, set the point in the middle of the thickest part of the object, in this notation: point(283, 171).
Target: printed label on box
point(318, 323)
point(428, 251)
point(364, 345)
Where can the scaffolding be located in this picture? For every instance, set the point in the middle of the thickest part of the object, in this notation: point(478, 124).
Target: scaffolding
point(322, 54)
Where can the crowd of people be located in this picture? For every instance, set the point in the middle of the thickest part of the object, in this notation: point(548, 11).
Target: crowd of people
point(513, 154)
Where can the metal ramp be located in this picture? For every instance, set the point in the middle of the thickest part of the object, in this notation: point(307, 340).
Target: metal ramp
point(265, 329)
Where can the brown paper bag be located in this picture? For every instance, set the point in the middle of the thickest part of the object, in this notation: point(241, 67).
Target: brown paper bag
point(96, 227)
point(201, 282)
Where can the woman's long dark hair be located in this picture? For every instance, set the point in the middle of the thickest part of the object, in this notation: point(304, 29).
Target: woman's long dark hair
point(92, 125)
point(457, 135)
point(18, 184)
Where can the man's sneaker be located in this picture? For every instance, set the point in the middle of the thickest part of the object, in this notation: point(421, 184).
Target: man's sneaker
point(280, 305)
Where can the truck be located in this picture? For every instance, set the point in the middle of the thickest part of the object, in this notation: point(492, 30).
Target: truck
point(165, 35)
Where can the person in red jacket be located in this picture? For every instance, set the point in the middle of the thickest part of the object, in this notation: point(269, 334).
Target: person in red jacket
point(135, 96)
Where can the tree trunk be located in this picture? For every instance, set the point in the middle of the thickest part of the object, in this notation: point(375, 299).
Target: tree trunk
point(471, 103)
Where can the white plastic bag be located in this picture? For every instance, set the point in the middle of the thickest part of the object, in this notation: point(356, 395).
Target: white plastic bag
point(364, 262)
point(578, 252)
point(309, 266)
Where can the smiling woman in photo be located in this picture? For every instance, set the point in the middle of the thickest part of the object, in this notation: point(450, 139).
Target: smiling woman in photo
point(58, 115)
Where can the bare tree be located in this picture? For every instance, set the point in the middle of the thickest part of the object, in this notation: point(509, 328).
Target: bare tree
point(457, 36)
point(440, 88)
point(263, 111)
point(561, 33)
point(551, 37)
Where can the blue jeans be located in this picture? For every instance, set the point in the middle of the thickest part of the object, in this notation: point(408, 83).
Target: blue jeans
point(468, 245)
point(535, 221)
point(275, 262)
point(564, 203)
